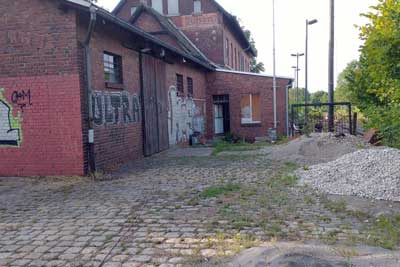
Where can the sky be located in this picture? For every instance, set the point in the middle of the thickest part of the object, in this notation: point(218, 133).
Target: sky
point(256, 15)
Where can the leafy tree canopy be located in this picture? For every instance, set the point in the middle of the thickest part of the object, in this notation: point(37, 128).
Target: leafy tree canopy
point(255, 66)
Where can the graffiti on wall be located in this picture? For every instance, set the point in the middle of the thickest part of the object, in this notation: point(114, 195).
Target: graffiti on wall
point(21, 99)
point(10, 125)
point(115, 108)
point(185, 117)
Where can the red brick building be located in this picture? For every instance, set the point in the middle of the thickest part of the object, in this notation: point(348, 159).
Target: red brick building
point(84, 89)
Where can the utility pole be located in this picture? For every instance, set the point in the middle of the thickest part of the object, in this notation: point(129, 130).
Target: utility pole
point(274, 63)
point(331, 67)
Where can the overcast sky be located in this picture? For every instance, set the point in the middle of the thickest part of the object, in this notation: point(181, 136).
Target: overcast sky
point(256, 15)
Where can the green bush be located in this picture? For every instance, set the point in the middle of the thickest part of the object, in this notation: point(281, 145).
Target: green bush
point(387, 121)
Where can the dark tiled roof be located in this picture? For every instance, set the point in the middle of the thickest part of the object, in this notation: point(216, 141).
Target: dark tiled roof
point(230, 18)
point(85, 6)
point(173, 30)
point(236, 27)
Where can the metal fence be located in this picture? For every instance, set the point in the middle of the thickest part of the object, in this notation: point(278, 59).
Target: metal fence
point(307, 118)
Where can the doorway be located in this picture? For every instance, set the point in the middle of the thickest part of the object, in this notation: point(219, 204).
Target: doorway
point(221, 114)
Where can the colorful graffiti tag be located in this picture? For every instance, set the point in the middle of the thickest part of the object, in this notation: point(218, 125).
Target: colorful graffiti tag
point(115, 108)
point(185, 116)
point(10, 126)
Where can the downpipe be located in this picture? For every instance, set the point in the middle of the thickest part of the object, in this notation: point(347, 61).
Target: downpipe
point(88, 89)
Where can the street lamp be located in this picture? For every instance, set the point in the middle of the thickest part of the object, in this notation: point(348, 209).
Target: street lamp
point(308, 23)
point(297, 55)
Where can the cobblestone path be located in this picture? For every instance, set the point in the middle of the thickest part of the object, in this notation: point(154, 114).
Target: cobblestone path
point(165, 211)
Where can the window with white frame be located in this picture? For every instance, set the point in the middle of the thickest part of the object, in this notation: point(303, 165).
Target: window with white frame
point(157, 5)
point(197, 6)
point(173, 7)
point(251, 108)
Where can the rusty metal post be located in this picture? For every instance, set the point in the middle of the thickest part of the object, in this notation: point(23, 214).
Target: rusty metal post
point(350, 123)
point(355, 120)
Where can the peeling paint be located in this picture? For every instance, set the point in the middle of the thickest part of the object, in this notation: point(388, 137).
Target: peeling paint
point(185, 116)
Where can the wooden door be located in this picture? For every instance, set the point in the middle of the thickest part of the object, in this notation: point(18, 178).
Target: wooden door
point(155, 106)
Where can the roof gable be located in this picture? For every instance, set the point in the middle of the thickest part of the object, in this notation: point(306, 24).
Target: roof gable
point(170, 29)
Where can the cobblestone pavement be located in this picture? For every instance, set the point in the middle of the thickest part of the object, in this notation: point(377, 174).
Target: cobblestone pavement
point(164, 211)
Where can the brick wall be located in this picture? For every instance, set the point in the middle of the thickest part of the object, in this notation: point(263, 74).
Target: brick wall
point(185, 7)
point(186, 113)
point(233, 61)
point(206, 32)
point(40, 119)
point(235, 85)
point(118, 127)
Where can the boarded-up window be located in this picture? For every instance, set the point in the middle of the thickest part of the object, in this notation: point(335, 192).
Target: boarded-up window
point(158, 5)
point(251, 108)
point(179, 83)
point(173, 7)
point(190, 86)
point(197, 6)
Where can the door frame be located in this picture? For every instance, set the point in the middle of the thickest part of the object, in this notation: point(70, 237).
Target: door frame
point(224, 101)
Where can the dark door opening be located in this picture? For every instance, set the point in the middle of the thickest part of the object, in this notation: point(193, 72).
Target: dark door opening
point(221, 114)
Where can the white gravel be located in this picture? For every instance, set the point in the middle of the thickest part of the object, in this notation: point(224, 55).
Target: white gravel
point(368, 173)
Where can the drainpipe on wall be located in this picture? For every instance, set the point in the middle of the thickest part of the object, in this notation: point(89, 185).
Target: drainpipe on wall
point(287, 108)
point(88, 89)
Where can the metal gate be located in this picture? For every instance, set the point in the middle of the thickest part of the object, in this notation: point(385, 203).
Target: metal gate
point(306, 118)
point(155, 106)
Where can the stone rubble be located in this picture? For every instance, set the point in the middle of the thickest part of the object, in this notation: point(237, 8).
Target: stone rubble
point(367, 173)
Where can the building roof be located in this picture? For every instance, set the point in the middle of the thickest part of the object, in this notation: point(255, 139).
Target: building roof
point(290, 79)
point(173, 30)
point(229, 17)
point(236, 27)
point(85, 6)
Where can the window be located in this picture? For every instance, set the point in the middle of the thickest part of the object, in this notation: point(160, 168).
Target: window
point(190, 86)
point(232, 55)
point(227, 51)
point(236, 65)
point(179, 83)
point(173, 7)
point(112, 68)
point(133, 10)
point(158, 5)
point(197, 6)
point(251, 108)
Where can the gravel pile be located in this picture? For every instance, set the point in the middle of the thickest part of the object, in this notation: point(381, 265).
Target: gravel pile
point(316, 149)
point(368, 173)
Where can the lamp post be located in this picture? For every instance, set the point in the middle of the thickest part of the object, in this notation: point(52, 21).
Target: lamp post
point(308, 23)
point(331, 112)
point(297, 55)
point(274, 65)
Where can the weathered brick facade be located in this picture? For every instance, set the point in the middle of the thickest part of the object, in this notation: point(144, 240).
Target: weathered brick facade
point(235, 85)
point(39, 79)
point(213, 31)
point(44, 113)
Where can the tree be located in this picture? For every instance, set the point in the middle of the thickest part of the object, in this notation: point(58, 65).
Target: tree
point(255, 66)
point(346, 81)
point(319, 97)
point(373, 83)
